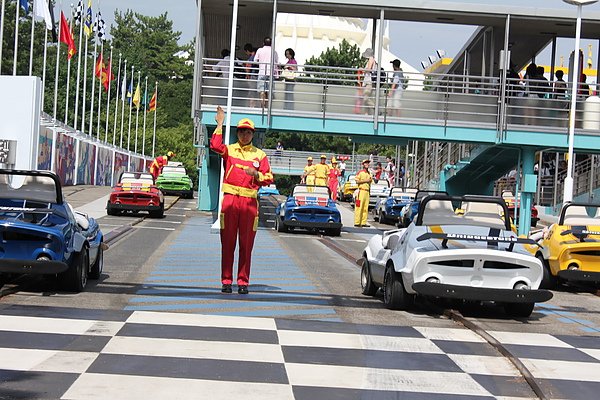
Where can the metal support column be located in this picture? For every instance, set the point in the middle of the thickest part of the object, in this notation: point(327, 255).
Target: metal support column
point(271, 92)
point(378, 72)
point(527, 192)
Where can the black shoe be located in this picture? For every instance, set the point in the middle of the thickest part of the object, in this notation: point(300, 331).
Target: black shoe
point(226, 288)
point(243, 289)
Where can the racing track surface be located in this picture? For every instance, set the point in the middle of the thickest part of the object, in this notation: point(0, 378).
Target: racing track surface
point(157, 326)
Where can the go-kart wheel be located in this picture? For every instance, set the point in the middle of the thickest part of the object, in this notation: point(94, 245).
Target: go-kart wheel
point(382, 219)
point(548, 280)
point(98, 265)
point(395, 296)
point(366, 283)
point(75, 278)
point(279, 225)
point(334, 232)
point(158, 213)
point(519, 310)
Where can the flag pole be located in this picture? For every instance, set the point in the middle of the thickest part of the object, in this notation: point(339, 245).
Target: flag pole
point(137, 114)
point(85, 62)
point(2, 31)
point(91, 124)
point(130, 109)
point(16, 38)
point(57, 63)
point(78, 66)
point(145, 112)
point(100, 90)
point(108, 77)
point(123, 97)
point(117, 101)
point(44, 64)
point(68, 75)
point(32, 36)
point(155, 111)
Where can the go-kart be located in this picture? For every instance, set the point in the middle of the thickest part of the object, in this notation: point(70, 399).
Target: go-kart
point(174, 179)
point(388, 209)
point(135, 192)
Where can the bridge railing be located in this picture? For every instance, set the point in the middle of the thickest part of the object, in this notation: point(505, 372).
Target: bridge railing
point(291, 162)
point(438, 99)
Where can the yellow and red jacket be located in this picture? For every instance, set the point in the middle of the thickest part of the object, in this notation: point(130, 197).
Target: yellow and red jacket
point(237, 159)
point(158, 163)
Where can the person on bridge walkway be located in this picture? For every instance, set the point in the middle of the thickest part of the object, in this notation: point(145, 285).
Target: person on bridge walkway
point(158, 164)
point(246, 169)
point(361, 206)
point(322, 172)
point(333, 182)
point(308, 177)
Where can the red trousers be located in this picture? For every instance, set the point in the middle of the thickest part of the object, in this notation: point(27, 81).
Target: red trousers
point(239, 217)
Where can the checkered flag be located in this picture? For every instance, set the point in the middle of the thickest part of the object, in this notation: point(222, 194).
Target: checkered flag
point(78, 13)
point(100, 26)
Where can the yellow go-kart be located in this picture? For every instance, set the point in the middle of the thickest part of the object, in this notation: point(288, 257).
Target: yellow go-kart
point(571, 248)
point(348, 189)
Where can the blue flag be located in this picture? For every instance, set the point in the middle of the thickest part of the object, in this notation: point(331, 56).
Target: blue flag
point(25, 5)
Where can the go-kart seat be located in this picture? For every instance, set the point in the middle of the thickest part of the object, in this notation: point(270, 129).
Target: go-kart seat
point(81, 219)
point(440, 212)
point(483, 214)
point(577, 215)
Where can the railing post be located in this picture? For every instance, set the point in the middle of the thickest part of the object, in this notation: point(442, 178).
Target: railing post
point(378, 72)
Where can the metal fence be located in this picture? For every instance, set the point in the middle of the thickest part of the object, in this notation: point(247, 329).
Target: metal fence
point(328, 92)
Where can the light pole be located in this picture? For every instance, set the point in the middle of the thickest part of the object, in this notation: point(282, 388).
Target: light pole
point(568, 185)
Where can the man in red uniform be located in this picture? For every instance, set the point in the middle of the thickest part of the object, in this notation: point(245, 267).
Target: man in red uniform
point(159, 162)
point(246, 169)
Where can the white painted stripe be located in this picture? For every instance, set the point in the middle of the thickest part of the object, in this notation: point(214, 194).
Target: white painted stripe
point(383, 379)
point(485, 365)
point(351, 341)
point(529, 339)
point(453, 334)
point(592, 352)
point(175, 215)
point(194, 349)
point(123, 218)
point(102, 225)
point(349, 240)
point(46, 360)
point(569, 370)
point(156, 228)
point(126, 387)
point(44, 325)
point(181, 208)
point(219, 321)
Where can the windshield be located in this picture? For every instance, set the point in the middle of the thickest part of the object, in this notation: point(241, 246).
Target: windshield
point(173, 170)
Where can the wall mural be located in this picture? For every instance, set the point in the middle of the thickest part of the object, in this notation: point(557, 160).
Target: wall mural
point(105, 167)
point(45, 149)
point(85, 167)
point(121, 160)
point(137, 164)
point(65, 159)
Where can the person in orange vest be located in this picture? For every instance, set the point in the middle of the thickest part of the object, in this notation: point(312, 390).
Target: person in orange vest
point(246, 169)
point(159, 162)
point(321, 172)
point(361, 206)
point(332, 178)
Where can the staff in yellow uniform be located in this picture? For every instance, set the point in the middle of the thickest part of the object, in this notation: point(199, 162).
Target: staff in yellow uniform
point(322, 172)
point(308, 177)
point(361, 207)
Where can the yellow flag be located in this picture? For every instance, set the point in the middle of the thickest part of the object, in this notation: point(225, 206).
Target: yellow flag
point(137, 96)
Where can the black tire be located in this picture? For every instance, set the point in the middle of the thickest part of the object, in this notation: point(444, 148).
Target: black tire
point(279, 225)
point(519, 310)
point(158, 213)
point(395, 296)
point(75, 278)
point(334, 232)
point(98, 266)
point(405, 223)
point(382, 218)
point(368, 288)
point(548, 280)
point(110, 210)
point(2, 280)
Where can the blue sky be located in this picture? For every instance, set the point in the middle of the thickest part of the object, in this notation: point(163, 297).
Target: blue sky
point(412, 42)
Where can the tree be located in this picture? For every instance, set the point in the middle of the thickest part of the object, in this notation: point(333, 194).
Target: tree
point(345, 56)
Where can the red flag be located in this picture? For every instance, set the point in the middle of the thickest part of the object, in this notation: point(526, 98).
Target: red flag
point(107, 75)
point(66, 37)
point(152, 105)
point(99, 66)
